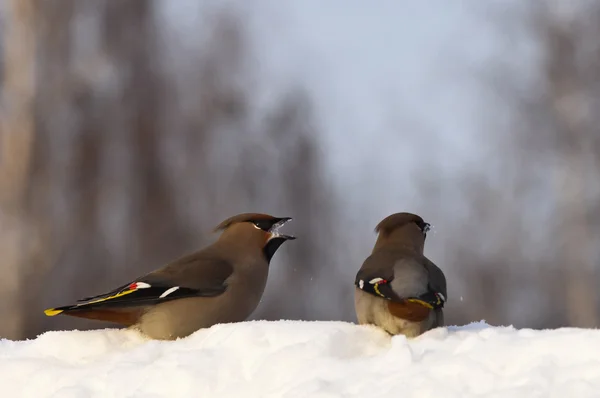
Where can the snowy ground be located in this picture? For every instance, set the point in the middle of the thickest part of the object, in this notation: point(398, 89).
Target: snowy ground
point(305, 359)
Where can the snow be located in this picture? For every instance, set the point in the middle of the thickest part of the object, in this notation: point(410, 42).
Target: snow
point(305, 359)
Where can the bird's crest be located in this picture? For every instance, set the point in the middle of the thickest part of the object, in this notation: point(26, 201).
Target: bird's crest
point(244, 217)
point(397, 220)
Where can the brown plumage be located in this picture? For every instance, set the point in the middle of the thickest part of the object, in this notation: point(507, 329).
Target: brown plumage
point(125, 318)
point(397, 287)
point(409, 311)
point(221, 283)
point(242, 218)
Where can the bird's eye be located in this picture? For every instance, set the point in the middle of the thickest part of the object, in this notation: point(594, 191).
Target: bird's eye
point(255, 224)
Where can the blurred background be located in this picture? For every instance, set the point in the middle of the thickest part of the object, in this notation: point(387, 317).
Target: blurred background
point(129, 129)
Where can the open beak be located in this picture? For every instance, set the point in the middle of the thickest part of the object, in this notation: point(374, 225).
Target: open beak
point(274, 230)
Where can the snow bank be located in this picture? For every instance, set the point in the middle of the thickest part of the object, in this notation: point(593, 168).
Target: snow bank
point(305, 359)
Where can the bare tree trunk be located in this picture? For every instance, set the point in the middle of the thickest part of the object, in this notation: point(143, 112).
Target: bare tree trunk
point(16, 139)
point(580, 284)
point(567, 92)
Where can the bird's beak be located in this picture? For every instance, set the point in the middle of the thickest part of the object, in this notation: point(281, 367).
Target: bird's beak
point(426, 228)
point(274, 230)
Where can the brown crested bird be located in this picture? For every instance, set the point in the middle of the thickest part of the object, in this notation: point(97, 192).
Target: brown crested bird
point(398, 288)
point(221, 283)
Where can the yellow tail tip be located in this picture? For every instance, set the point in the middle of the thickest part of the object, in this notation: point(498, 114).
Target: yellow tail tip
point(52, 311)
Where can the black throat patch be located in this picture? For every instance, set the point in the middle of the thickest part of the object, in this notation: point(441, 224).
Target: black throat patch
point(271, 247)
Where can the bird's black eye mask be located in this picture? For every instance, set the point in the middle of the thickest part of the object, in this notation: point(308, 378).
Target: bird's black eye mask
point(265, 225)
point(272, 226)
point(423, 226)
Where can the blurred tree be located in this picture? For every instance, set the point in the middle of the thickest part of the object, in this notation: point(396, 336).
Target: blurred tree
point(571, 56)
point(536, 264)
point(18, 234)
point(94, 175)
point(137, 155)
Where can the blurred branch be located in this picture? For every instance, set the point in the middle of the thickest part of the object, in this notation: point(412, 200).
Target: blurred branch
point(539, 207)
point(16, 141)
point(571, 110)
point(17, 116)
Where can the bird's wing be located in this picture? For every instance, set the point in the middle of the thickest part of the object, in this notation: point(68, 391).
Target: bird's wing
point(168, 284)
point(437, 279)
point(376, 277)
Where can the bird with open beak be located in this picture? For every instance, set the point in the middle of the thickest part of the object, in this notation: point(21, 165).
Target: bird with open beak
point(398, 288)
point(221, 283)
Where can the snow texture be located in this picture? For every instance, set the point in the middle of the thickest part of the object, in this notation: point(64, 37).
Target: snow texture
point(305, 359)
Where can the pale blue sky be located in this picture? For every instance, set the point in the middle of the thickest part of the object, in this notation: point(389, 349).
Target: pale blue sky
point(389, 79)
point(400, 88)
point(394, 83)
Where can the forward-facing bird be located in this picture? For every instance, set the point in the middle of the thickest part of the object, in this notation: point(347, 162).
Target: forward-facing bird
point(221, 283)
point(398, 288)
